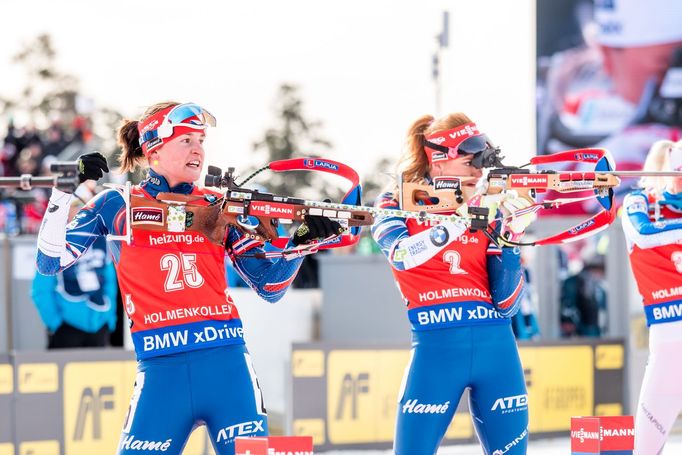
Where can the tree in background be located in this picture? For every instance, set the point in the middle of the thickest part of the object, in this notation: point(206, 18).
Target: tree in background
point(294, 136)
point(378, 179)
point(50, 97)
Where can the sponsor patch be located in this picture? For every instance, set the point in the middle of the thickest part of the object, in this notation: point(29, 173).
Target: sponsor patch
point(446, 184)
point(524, 181)
point(439, 236)
point(148, 215)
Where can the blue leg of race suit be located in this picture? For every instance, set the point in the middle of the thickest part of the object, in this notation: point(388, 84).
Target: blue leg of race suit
point(175, 393)
point(446, 361)
point(498, 396)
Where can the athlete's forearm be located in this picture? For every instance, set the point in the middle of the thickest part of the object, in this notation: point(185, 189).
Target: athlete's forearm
point(405, 252)
point(270, 278)
point(505, 276)
point(52, 254)
point(641, 230)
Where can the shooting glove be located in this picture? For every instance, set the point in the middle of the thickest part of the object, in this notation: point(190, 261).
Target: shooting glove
point(490, 202)
point(315, 228)
point(514, 225)
point(91, 166)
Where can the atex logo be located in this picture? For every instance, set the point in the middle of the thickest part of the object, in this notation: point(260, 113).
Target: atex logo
point(511, 404)
point(228, 434)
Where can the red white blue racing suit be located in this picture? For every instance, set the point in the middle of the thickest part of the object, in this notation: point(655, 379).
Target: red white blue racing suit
point(653, 230)
point(193, 366)
point(449, 278)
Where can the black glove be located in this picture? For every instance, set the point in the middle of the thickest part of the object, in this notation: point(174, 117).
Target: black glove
point(315, 227)
point(91, 165)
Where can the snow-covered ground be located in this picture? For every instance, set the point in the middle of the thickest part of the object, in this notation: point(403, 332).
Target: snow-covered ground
point(559, 446)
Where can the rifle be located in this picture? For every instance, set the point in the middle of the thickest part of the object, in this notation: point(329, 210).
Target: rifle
point(65, 178)
point(448, 193)
point(258, 214)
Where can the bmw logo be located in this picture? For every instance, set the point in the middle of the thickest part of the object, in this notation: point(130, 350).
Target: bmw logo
point(439, 236)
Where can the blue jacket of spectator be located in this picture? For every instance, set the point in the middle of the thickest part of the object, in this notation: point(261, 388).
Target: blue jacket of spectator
point(83, 296)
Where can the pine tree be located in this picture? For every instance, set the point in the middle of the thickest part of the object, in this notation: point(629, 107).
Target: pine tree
point(294, 136)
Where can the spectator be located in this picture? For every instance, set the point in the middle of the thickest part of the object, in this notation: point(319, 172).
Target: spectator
point(78, 305)
point(619, 91)
point(55, 139)
point(583, 301)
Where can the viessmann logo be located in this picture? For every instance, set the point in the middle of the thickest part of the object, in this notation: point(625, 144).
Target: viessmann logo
point(148, 215)
point(529, 180)
point(582, 435)
point(270, 209)
point(468, 130)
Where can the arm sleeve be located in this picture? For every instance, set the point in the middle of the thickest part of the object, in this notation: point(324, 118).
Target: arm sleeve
point(43, 295)
point(61, 244)
point(641, 230)
point(505, 276)
point(404, 251)
point(270, 278)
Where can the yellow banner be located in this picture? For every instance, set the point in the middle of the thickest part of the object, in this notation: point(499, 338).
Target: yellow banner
point(6, 379)
point(560, 383)
point(96, 398)
point(362, 394)
point(38, 377)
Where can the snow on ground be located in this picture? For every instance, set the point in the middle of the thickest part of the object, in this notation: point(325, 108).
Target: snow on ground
point(559, 446)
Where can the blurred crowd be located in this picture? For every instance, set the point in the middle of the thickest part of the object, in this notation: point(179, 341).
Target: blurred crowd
point(29, 150)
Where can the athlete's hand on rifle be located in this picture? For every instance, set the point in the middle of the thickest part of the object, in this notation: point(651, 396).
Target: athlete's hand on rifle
point(91, 166)
point(490, 202)
point(316, 228)
point(514, 224)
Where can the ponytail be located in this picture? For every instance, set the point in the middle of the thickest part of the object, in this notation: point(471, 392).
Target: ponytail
point(413, 164)
point(129, 141)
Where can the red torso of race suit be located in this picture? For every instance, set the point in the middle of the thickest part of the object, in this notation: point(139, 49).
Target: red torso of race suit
point(658, 272)
point(174, 291)
point(458, 273)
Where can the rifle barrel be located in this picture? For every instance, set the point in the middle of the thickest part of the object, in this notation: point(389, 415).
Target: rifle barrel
point(642, 173)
